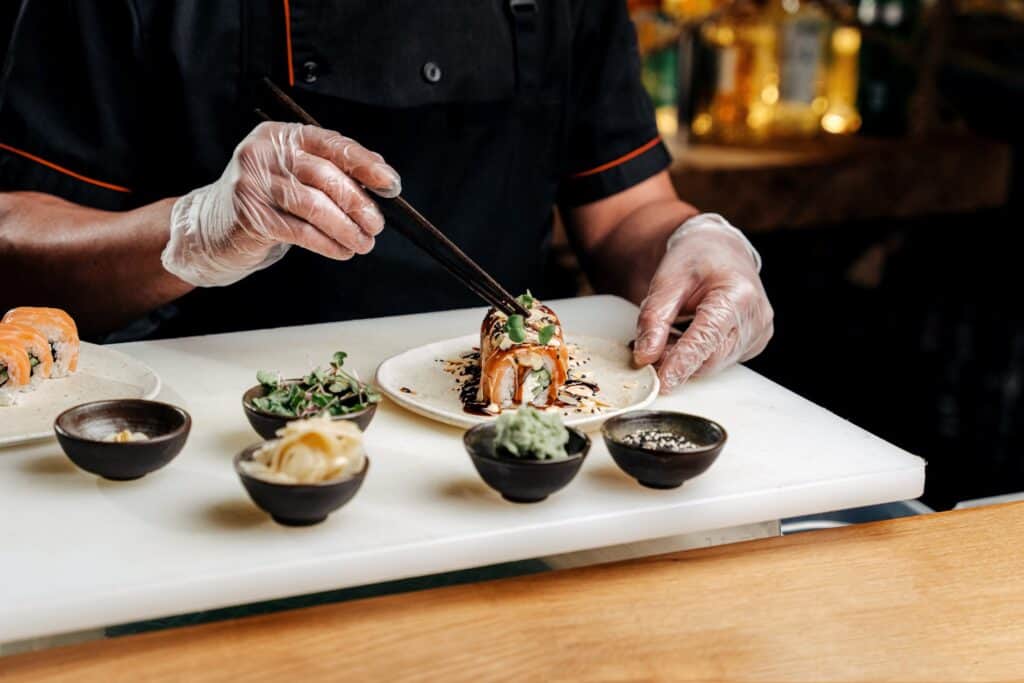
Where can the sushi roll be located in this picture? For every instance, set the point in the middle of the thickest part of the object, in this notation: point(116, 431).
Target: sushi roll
point(523, 361)
point(40, 355)
point(15, 371)
point(58, 328)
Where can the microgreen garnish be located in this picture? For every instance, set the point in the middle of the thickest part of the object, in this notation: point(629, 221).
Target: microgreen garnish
point(526, 300)
point(268, 378)
point(545, 334)
point(516, 329)
point(328, 390)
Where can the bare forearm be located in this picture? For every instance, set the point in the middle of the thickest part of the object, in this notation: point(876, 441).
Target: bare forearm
point(622, 238)
point(103, 267)
point(624, 261)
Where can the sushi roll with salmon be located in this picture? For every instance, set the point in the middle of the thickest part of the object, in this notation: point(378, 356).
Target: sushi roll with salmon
point(40, 355)
point(60, 332)
point(523, 360)
point(15, 371)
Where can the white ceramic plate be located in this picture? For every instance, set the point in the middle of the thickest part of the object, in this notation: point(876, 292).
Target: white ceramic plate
point(103, 373)
point(432, 392)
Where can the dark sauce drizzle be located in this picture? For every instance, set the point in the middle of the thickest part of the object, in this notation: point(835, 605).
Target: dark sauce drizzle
point(469, 388)
point(581, 383)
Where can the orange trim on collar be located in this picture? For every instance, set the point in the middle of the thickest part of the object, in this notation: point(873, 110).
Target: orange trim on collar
point(618, 162)
point(61, 169)
point(288, 41)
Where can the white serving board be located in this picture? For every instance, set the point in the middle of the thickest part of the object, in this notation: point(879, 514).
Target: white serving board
point(103, 373)
point(417, 381)
point(78, 552)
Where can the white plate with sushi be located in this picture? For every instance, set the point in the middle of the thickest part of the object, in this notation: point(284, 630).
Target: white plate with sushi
point(431, 380)
point(102, 373)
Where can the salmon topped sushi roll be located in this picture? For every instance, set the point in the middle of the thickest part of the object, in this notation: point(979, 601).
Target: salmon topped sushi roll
point(15, 371)
point(523, 361)
point(60, 331)
point(40, 355)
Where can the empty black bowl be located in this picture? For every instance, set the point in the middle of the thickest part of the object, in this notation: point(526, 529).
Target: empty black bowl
point(521, 480)
point(664, 469)
point(81, 430)
point(266, 424)
point(298, 504)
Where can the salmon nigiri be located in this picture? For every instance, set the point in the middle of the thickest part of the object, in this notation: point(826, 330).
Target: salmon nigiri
point(35, 344)
point(15, 371)
point(59, 329)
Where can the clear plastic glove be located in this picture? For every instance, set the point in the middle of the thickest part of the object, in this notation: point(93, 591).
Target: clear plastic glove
point(286, 184)
point(709, 270)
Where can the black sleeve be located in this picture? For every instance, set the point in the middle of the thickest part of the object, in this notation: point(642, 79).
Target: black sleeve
point(69, 110)
point(8, 13)
point(613, 139)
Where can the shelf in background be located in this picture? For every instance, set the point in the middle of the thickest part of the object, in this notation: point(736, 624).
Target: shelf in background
point(843, 180)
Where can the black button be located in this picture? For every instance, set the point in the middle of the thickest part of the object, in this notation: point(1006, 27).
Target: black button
point(431, 72)
point(523, 6)
point(311, 71)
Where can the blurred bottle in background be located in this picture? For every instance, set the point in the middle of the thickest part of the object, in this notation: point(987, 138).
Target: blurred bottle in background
point(804, 29)
point(774, 71)
point(688, 16)
point(656, 36)
point(886, 80)
point(735, 80)
point(842, 115)
point(665, 34)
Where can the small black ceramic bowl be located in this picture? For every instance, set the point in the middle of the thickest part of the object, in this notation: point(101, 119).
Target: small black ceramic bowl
point(81, 430)
point(266, 424)
point(520, 480)
point(298, 504)
point(664, 469)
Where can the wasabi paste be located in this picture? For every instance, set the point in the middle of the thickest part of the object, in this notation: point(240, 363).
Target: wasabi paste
point(529, 433)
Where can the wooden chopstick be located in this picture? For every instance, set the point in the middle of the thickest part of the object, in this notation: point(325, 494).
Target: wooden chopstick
point(428, 238)
point(457, 261)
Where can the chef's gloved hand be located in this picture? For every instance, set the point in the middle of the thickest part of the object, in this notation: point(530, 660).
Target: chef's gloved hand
point(286, 184)
point(709, 270)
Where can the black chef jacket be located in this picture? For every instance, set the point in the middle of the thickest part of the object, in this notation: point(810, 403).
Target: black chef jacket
point(492, 111)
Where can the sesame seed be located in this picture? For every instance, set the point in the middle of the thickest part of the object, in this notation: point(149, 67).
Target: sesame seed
point(659, 440)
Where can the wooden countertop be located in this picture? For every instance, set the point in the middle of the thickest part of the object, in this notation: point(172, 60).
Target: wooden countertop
point(918, 599)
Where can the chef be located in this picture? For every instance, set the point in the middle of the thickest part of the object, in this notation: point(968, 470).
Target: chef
point(137, 182)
